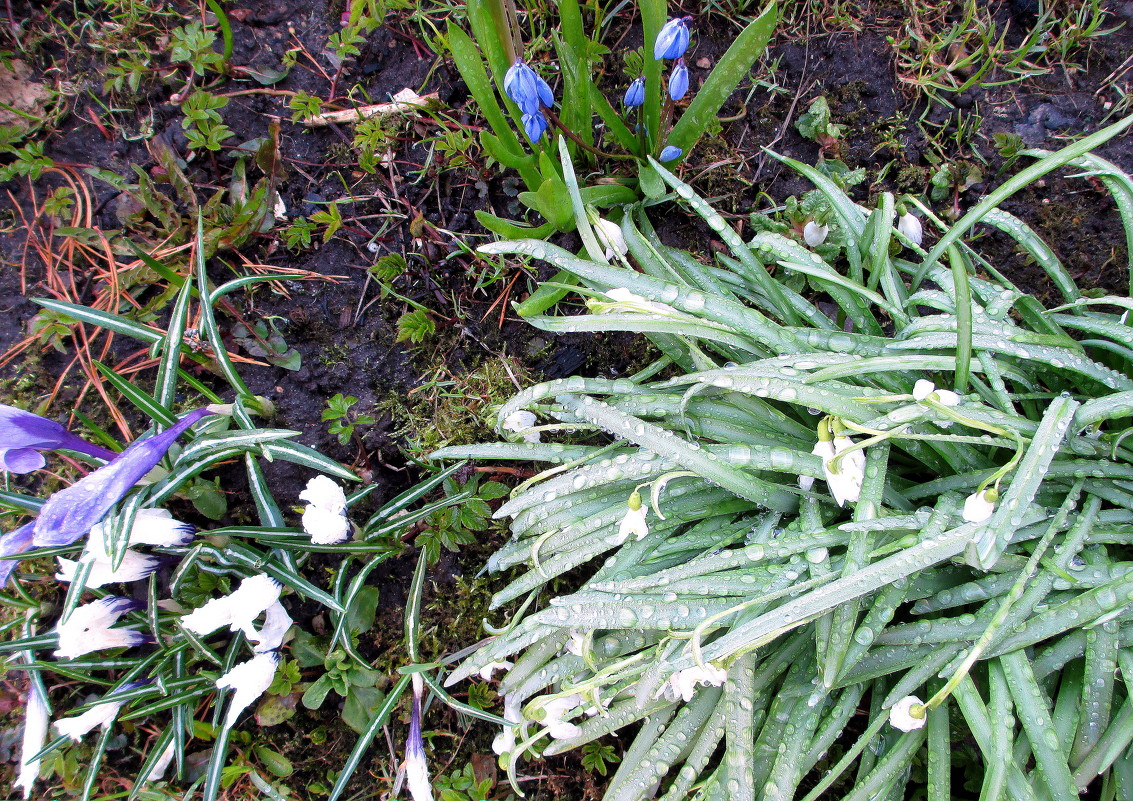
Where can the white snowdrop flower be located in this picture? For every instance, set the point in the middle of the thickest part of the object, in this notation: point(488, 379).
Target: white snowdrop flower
point(151, 527)
point(553, 713)
point(520, 422)
point(135, 567)
point(926, 390)
point(237, 611)
point(36, 718)
point(610, 236)
point(806, 483)
point(102, 714)
point(910, 225)
point(634, 521)
point(87, 629)
point(980, 505)
point(815, 234)
point(908, 714)
point(577, 643)
point(271, 634)
point(504, 743)
point(490, 668)
point(325, 519)
point(249, 680)
point(846, 483)
point(683, 683)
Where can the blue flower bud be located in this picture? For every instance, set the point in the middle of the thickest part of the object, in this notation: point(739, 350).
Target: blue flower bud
point(672, 41)
point(678, 81)
point(527, 89)
point(670, 153)
point(635, 95)
point(534, 125)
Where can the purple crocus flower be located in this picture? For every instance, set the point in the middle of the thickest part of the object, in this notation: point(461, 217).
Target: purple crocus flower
point(635, 94)
point(530, 92)
point(12, 543)
point(678, 81)
point(71, 512)
point(672, 40)
point(23, 435)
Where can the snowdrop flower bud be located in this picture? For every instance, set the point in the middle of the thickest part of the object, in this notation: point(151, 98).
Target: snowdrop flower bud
point(910, 225)
point(672, 40)
point(416, 770)
point(36, 715)
point(635, 94)
point(845, 477)
point(238, 610)
point(678, 81)
point(530, 92)
point(631, 301)
point(250, 680)
point(610, 235)
point(908, 714)
point(87, 629)
point(325, 516)
point(815, 234)
point(520, 422)
point(980, 505)
point(634, 521)
point(670, 153)
point(926, 390)
point(23, 435)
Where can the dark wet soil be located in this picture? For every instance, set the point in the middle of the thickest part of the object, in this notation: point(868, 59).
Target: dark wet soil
point(417, 206)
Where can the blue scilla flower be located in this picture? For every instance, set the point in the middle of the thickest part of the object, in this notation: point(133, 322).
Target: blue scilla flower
point(72, 512)
point(678, 80)
point(524, 86)
point(635, 94)
point(670, 153)
point(672, 41)
point(534, 125)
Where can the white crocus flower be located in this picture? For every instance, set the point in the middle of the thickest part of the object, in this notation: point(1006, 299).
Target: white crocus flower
point(980, 505)
point(520, 422)
point(87, 628)
point(910, 225)
point(102, 714)
point(416, 769)
point(908, 713)
point(250, 680)
point(845, 483)
point(36, 719)
point(151, 527)
point(325, 519)
point(683, 683)
point(238, 610)
point(490, 668)
point(554, 710)
point(926, 390)
point(815, 234)
point(135, 567)
point(633, 522)
point(610, 236)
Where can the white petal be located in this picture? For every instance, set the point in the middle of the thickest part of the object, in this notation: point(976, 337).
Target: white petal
point(922, 389)
point(99, 715)
point(633, 523)
point(325, 493)
point(563, 730)
point(637, 302)
point(490, 668)
point(815, 234)
point(910, 226)
point(238, 610)
point(520, 421)
point(326, 526)
point(151, 527)
point(250, 680)
point(276, 624)
point(977, 508)
point(35, 737)
point(87, 629)
point(163, 763)
point(134, 567)
point(946, 397)
point(577, 643)
point(900, 715)
point(504, 742)
point(610, 236)
point(846, 484)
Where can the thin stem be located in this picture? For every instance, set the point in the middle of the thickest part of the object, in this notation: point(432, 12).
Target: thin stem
point(578, 141)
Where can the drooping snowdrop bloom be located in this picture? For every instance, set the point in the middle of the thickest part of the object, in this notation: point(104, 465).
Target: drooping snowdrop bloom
point(670, 153)
point(980, 505)
point(520, 422)
point(504, 742)
point(672, 40)
point(683, 683)
point(910, 225)
point(815, 234)
point(134, 567)
point(634, 521)
point(490, 668)
point(36, 719)
point(926, 390)
point(610, 236)
point(553, 713)
point(908, 714)
point(577, 643)
point(249, 680)
point(526, 89)
point(237, 610)
point(325, 516)
point(23, 435)
point(678, 81)
point(635, 94)
point(88, 628)
point(845, 471)
point(416, 770)
point(72, 512)
point(14, 542)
